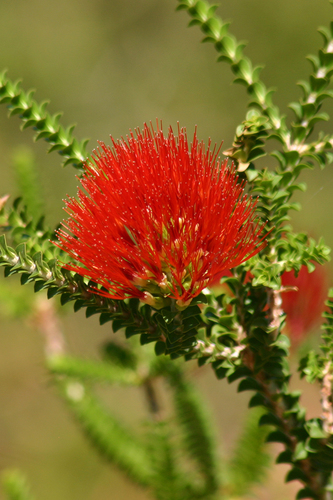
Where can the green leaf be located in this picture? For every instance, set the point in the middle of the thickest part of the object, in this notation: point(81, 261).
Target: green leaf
point(278, 437)
point(296, 474)
point(66, 297)
point(132, 330)
point(117, 324)
point(300, 452)
point(315, 430)
point(104, 318)
point(90, 311)
point(270, 419)
point(285, 457)
point(258, 400)
point(241, 371)
point(160, 348)
point(249, 384)
point(306, 493)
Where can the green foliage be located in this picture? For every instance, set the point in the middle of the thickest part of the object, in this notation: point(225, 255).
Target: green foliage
point(327, 337)
point(156, 464)
point(247, 145)
point(111, 438)
point(171, 481)
point(91, 370)
point(178, 327)
point(35, 258)
point(264, 120)
point(239, 332)
point(250, 460)
point(248, 141)
point(17, 222)
point(266, 372)
point(120, 356)
point(198, 436)
point(15, 485)
point(168, 482)
point(314, 93)
point(33, 268)
point(47, 126)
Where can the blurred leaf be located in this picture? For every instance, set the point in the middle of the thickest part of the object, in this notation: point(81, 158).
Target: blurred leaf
point(24, 164)
point(250, 459)
point(15, 485)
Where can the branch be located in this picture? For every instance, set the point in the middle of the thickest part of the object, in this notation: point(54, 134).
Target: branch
point(305, 442)
point(47, 126)
point(248, 142)
point(231, 51)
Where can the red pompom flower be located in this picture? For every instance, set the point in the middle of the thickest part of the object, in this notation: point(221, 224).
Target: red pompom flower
point(304, 301)
point(159, 219)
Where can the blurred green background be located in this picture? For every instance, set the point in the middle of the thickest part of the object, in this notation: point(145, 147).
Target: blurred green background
point(111, 65)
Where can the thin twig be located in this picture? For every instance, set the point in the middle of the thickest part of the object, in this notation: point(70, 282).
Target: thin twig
point(48, 324)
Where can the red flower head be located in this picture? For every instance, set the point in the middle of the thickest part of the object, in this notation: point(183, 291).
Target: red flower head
point(305, 304)
point(159, 219)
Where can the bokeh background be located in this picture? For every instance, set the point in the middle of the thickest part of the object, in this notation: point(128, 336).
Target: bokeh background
point(111, 65)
